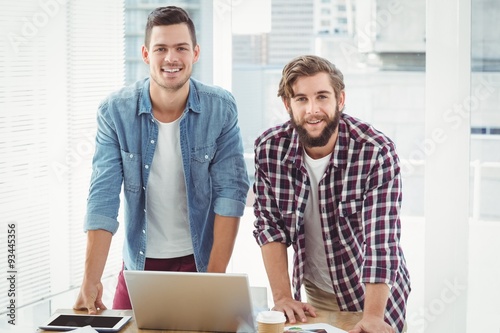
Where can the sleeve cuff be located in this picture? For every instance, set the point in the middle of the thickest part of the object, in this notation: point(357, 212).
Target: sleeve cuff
point(378, 275)
point(229, 207)
point(95, 222)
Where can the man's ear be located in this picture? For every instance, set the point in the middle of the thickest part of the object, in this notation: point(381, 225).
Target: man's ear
point(196, 51)
point(145, 54)
point(286, 103)
point(341, 101)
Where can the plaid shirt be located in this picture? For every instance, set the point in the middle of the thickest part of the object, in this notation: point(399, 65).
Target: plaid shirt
point(359, 203)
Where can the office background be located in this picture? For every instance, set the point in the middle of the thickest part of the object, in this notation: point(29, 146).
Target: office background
point(427, 74)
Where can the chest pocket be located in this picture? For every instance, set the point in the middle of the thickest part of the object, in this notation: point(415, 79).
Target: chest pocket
point(201, 159)
point(131, 171)
point(348, 208)
point(350, 220)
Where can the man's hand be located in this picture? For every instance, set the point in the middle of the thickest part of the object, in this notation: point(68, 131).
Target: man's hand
point(292, 308)
point(276, 263)
point(90, 298)
point(372, 324)
point(376, 296)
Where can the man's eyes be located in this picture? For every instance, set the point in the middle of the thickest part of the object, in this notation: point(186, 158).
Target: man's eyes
point(163, 49)
point(304, 99)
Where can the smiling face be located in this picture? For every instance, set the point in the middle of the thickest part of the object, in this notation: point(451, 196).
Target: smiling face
point(170, 56)
point(315, 113)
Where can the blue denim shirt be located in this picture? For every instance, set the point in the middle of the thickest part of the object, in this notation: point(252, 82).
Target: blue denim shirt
point(212, 156)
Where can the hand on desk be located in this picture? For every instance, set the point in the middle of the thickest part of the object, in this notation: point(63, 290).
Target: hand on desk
point(90, 298)
point(293, 308)
point(372, 324)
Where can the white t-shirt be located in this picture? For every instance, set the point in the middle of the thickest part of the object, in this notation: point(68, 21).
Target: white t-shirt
point(168, 233)
point(316, 267)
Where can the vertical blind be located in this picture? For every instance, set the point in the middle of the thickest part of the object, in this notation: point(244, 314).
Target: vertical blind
point(96, 49)
point(58, 60)
point(24, 181)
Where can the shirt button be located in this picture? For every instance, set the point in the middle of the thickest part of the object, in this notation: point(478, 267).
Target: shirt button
point(143, 231)
point(146, 166)
point(131, 155)
point(206, 157)
point(144, 188)
point(152, 141)
point(141, 253)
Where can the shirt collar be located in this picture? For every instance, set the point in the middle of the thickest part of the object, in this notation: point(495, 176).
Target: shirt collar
point(341, 149)
point(193, 102)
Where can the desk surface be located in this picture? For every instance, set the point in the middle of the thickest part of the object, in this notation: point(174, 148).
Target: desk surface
point(343, 320)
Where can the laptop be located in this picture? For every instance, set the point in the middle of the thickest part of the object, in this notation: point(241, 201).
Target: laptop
point(187, 301)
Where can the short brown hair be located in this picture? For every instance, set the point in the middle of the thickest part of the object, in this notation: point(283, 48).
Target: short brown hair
point(168, 16)
point(309, 65)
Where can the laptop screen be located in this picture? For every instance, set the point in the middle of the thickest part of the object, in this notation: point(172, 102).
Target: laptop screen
point(218, 302)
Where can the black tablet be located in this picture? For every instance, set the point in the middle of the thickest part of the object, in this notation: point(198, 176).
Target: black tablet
point(101, 323)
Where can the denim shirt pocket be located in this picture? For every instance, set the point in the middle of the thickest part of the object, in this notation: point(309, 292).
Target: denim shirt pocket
point(131, 171)
point(201, 158)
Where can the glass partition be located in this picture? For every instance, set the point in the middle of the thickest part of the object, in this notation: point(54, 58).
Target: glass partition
point(484, 104)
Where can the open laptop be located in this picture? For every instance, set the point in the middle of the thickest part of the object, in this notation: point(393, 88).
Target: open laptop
point(213, 302)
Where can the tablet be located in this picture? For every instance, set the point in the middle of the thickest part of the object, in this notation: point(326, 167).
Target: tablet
point(101, 323)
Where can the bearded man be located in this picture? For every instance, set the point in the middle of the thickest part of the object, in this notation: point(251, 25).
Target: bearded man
point(329, 185)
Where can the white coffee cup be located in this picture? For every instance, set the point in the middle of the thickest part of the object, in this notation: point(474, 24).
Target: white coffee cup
point(271, 322)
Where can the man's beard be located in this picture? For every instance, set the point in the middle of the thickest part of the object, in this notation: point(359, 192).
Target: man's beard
point(325, 135)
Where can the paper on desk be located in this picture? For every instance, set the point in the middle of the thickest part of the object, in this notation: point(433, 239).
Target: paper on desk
point(85, 329)
point(313, 328)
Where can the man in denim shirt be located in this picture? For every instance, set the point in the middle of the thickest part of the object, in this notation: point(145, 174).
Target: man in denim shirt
point(175, 145)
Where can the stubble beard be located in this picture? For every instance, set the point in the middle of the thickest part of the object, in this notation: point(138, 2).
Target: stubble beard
point(169, 87)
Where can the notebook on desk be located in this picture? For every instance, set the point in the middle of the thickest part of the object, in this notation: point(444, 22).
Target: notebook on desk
point(214, 302)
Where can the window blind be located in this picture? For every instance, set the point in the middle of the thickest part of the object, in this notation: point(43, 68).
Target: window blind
point(24, 186)
point(58, 59)
point(96, 68)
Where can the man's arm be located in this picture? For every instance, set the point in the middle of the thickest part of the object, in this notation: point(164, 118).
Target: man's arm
point(376, 295)
point(90, 296)
point(381, 225)
point(225, 231)
point(276, 263)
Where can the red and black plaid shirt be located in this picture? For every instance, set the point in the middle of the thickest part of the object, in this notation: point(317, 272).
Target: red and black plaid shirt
point(359, 198)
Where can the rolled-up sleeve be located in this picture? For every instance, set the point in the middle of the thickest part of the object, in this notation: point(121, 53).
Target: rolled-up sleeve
point(270, 222)
point(107, 175)
point(381, 209)
point(228, 170)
